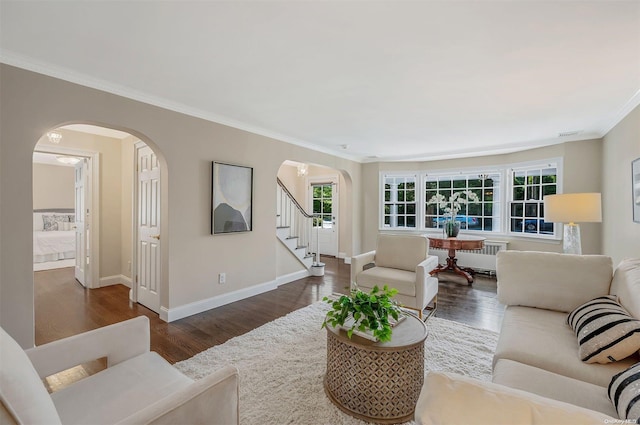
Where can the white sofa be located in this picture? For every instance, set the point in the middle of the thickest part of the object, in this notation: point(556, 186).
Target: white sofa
point(138, 386)
point(538, 376)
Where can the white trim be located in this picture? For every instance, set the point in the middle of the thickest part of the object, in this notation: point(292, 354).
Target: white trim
point(347, 260)
point(114, 280)
point(185, 310)
point(341, 255)
point(281, 280)
point(621, 114)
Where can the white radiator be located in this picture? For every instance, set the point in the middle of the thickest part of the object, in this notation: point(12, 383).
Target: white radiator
point(483, 260)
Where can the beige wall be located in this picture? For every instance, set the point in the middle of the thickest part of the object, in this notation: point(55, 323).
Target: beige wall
point(53, 186)
point(582, 173)
point(191, 256)
point(621, 235)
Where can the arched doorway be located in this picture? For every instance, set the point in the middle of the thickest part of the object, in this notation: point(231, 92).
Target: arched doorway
point(325, 193)
point(122, 197)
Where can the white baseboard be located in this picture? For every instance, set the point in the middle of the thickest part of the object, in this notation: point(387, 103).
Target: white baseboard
point(347, 260)
point(180, 312)
point(114, 280)
point(281, 280)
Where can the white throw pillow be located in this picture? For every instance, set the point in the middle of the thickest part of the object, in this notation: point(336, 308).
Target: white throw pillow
point(454, 399)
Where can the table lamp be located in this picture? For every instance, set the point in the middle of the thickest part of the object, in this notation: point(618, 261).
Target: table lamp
point(572, 208)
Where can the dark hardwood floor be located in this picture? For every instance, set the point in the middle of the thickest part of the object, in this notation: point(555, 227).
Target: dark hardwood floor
point(63, 307)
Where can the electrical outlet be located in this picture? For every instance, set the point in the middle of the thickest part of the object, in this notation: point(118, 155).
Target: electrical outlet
point(222, 278)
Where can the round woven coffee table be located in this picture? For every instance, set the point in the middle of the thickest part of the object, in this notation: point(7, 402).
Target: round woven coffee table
point(377, 381)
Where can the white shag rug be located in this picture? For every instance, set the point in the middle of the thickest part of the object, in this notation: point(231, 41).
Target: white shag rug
point(282, 365)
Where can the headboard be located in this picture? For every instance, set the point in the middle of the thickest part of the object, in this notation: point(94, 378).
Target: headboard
point(38, 222)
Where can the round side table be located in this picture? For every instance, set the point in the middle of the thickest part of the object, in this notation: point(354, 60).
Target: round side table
point(377, 381)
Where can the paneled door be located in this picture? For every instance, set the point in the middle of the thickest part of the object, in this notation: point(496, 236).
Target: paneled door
point(81, 271)
point(148, 228)
point(324, 204)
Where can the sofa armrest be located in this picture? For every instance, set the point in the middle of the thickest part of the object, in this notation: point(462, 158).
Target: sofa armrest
point(551, 280)
point(117, 342)
point(454, 399)
point(358, 262)
point(212, 400)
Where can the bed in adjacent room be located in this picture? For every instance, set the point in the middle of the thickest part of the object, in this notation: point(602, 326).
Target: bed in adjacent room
point(54, 238)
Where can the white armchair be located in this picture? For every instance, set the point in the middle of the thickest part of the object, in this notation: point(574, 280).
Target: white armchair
point(138, 386)
point(402, 262)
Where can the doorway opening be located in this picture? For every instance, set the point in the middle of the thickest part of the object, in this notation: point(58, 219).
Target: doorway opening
point(102, 202)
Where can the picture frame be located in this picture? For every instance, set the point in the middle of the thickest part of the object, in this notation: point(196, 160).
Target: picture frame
point(231, 198)
point(635, 189)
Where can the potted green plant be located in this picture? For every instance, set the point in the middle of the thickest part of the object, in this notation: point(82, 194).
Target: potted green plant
point(371, 313)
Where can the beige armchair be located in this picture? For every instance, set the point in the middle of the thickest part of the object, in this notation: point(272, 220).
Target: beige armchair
point(402, 262)
point(138, 386)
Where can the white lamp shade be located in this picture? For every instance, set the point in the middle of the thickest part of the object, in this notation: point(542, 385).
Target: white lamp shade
point(573, 208)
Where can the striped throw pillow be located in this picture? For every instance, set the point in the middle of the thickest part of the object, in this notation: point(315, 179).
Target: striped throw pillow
point(606, 331)
point(624, 393)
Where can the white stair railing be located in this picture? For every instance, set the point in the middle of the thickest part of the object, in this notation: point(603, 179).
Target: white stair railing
point(289, 213)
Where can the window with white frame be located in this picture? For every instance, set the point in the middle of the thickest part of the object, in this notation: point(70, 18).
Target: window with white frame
point(400, 207)
point(528, 186)
point(482, 215)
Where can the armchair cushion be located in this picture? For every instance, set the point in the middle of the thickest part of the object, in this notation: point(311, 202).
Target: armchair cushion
point(402, 280)
point(119, 391)
point(21, 391)
point(402, 252)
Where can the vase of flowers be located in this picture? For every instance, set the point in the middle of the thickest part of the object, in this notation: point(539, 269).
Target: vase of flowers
point(451, 228)
point(451, 206)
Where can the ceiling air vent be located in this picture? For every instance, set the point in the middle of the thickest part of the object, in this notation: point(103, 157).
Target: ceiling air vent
point(569, 133)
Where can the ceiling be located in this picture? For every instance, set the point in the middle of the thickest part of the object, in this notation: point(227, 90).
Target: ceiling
point(369, 81)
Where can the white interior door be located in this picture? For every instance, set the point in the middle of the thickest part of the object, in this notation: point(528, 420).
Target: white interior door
point(148, 228)
point(81, 214)
point(324, 204)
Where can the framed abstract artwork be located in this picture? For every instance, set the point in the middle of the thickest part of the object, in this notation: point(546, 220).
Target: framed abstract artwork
point(231, 198)
point(635, 187)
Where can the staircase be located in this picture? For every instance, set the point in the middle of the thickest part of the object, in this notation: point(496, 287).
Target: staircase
point(293, 226)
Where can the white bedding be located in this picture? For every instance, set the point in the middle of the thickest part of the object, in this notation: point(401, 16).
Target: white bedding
point(53, 246)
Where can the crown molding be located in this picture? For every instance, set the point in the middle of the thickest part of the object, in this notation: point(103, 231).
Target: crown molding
point(19, 61)
point(625, 110)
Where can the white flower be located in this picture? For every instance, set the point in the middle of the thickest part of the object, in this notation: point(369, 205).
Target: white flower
point(452, 205)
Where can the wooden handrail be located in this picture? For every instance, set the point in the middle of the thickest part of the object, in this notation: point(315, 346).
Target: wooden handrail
point(298, 206)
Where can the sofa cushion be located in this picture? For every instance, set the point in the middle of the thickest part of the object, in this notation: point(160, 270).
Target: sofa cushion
point(21, 391)
point(402, 280)
point(552, 385)
point(606, 331)
point(119, 391)
point(626, 285)
point(624, 392)
point(403, 252)
point(542, 338)
point(453, 399)
point(550, 280)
